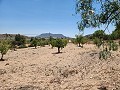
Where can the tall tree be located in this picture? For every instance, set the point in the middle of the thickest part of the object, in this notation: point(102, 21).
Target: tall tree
point(98, 12)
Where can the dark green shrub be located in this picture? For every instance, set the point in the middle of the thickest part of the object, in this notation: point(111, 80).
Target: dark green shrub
point(21, 40)
point(53, 43)
point(4, 47)
point(34, 43)
point(59, 43)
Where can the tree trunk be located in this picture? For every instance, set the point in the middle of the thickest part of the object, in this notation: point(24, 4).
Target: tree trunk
point(58, 49)
point(79, 45)
point(2, 58)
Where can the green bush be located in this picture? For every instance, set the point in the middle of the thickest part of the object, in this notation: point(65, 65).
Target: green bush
point(4, 47)
point(53, 43)
point(34, 43)
point(59, 43)
point(21, 40)
point(97, 42)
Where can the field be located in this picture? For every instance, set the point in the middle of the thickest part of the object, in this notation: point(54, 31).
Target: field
point(74, 69)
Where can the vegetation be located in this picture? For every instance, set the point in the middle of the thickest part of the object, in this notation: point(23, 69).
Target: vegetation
point(108, 13)
point(59, 43)
point(80, 40)
point(34, 43)
point(4, 47)
point(20, 40)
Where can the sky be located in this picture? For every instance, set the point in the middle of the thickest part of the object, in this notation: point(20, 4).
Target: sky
point(34, 17)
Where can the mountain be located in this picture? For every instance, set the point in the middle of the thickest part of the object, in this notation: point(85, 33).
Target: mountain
point(47, 35)
point(10, 36)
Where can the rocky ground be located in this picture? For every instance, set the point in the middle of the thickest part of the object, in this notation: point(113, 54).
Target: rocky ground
point(74, 69)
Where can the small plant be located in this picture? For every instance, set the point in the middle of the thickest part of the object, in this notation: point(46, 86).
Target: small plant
point(104, 54)
point(4, 47)
point(34, 43)
point(113, 46)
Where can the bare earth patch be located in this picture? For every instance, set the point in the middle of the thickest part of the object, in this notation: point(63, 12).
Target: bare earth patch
point(73, 69)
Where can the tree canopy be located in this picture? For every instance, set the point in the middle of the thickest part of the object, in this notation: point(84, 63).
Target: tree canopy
point(98, 12)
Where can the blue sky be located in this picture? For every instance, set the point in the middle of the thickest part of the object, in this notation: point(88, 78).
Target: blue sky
point(33, 17)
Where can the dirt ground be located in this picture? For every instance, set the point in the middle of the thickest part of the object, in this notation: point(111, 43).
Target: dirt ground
point(74, 69)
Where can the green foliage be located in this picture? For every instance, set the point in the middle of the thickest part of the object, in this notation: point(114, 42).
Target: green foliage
point(13, 45)
point(65, 41)
point(74, 41)
point(104, 54)
point(21, 40)
point(4, 47)
point(97, 42)
point(80, 40)
point(53, 43)
point(99, 34)
point(84, 40)
point(59, 43)
point(41, 43)
point(108, 13)
point(113, 46)
point(34, 43)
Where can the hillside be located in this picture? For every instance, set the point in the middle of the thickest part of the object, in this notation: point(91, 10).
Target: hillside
point(47, 35)
point(10, 36)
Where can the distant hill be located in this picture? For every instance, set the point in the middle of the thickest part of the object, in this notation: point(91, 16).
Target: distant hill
point(10, 36)
point(47, 35)
point(89, 35)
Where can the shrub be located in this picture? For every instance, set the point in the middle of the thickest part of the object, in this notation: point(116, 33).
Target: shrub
point(59, 43)
point(53, 43)
point(4, 47)
point(83, 41)
point(13, 45)
point(21, 40)
point(78, 39)
point(34, 43)
point(97, 42)
point(65, 41)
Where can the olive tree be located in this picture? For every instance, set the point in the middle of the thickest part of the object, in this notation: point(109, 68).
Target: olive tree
point(4, 47)
point(59, 43)
point(81, 40)
point(34, 43)
point(107, 12)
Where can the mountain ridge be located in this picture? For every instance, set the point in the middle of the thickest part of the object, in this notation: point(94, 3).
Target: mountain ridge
point(47, 35)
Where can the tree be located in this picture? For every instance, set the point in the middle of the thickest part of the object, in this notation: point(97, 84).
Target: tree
point(97, 42)
point(83, 41)
point(13, 45)
point(34, 43)
point(95, 13)
point(99, 34)
point(4, 47)
point(53, 43)
point(21, 40)
point(59, 43)
point(78, 39)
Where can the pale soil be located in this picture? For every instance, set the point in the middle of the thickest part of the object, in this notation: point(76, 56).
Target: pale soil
point(74, 69)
